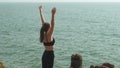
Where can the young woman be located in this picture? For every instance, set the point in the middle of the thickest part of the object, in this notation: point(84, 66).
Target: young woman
point(47, 39)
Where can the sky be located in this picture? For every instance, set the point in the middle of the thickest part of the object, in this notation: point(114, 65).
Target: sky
point(59, 0)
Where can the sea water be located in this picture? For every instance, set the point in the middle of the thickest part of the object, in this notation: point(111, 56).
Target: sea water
point(89, 29)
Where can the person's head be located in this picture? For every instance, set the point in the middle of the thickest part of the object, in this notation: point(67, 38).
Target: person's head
point(108, 65)
point(76, 61)
point(45, 27)
point(91, 66)
point(103, 67)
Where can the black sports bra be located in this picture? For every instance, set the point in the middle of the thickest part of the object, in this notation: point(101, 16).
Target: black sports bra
point(49, 43)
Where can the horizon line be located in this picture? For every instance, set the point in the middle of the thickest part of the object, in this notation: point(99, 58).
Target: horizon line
point(57, 2)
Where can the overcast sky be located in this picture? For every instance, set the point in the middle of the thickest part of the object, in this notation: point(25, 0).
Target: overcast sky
point(59, 0)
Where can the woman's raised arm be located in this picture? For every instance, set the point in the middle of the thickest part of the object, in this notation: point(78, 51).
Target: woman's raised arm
point(52, 20)
point(41, 15)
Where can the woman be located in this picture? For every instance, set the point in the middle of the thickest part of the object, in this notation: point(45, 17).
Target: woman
point(47, 39)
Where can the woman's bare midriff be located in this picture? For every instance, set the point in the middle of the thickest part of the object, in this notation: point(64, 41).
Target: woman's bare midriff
point(49, 48)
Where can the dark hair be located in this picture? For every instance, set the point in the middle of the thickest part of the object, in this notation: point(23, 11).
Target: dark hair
point(76, 61)
point(91, 66)
point(108, 65)
point(43, 30)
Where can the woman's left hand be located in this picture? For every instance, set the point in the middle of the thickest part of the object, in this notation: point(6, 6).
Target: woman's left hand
point(53, 10)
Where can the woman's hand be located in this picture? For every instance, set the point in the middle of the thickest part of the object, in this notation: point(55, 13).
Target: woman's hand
point(40, 8)
point(41, 15)
point(53, 10)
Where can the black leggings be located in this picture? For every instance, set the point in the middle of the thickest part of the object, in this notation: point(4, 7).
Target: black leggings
point(48, 59)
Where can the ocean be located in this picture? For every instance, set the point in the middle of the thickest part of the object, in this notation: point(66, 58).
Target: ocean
point(89, 29)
